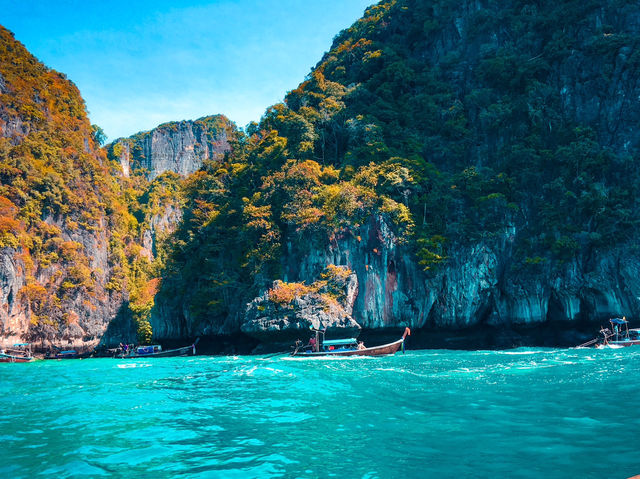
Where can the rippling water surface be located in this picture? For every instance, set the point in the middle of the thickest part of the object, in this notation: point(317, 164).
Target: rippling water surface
point(513, 414)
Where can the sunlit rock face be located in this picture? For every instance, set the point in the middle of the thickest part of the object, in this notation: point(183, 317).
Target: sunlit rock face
point(271, 322)
point(180, 147)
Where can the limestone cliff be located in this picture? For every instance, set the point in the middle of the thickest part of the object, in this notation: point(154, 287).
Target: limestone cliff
point(500, 135)
point(477, 287)
point(55, 259)
point(179, 147)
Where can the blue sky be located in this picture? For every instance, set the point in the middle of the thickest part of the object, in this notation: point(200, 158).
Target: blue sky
point(140, 63)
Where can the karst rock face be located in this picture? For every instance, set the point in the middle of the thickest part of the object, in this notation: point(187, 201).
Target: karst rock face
point(179, 147)
point(476, 286)
point(55, 261)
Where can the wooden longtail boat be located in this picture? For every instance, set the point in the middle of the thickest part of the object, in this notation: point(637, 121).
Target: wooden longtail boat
point(345, 347)
point(20, 354)
point(619, 336)
point(156, 351)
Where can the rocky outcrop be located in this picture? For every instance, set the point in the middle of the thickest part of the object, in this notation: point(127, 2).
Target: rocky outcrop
point(273, 321)
point(180, 147)
point(161, 226)
point(14, 321)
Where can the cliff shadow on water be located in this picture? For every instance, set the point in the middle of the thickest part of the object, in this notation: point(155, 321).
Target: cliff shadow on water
point(552, 334)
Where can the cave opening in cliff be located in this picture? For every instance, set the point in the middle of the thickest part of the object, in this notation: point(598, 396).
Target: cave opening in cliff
point(555, 310)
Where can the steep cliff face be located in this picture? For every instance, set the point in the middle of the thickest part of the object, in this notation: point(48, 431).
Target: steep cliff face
point(477, 287)
point(13, 317)
point(180, 147)
point(55, 231)
point(393, 290)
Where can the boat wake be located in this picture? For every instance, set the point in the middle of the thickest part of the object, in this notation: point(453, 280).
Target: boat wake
point(133, 365)
point(328, 358)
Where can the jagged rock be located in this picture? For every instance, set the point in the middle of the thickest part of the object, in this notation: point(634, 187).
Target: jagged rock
point(180, 147)
point(271, 322)
point(14, 323)
point(475, 286)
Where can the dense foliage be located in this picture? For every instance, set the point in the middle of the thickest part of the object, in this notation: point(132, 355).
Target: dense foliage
point(448, 119)
point(456, 122)
point(54, 188)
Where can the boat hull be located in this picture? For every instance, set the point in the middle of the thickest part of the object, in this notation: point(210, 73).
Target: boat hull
point(185, 351)
point(624, 344)
point(383, 350)
point(8, 358)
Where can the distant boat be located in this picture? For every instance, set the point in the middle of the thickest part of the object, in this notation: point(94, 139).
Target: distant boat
point(156, 351)
point(21, 353)
point(68, 354)
point(318, 346)
point(619, 336)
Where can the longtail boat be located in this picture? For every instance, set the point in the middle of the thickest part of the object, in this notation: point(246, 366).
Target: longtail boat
point(318, 346)
point(68, 354)
point(156, 351)
point(21, 353)
point(618, 336)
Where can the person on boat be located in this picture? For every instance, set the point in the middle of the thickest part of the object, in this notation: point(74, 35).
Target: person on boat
point(312, 343)
point(361, 345)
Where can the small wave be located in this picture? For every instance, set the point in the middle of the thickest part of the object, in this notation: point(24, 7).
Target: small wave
point(527, 352)
point(589, 421)
point(329, 358)
point(133, 365)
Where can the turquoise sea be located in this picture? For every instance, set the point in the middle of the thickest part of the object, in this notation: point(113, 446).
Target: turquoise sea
point(520, 413)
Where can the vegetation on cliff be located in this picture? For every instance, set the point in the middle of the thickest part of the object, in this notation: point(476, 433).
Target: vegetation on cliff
point(456, 121)
point(54, 190)
point(69, 222)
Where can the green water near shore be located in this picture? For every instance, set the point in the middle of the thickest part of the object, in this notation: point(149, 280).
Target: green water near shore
point(519, 414)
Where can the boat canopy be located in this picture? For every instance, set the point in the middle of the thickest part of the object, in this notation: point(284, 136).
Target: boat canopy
point(618, 321)
point(340, 342)
point(155, 348)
